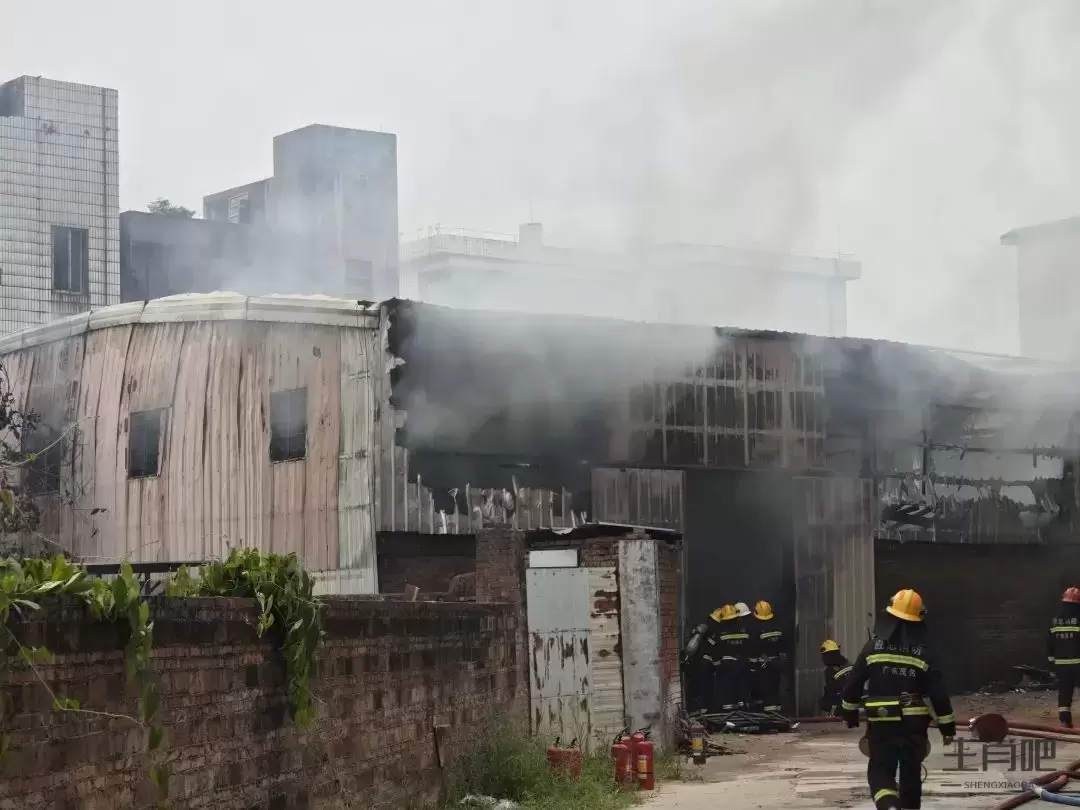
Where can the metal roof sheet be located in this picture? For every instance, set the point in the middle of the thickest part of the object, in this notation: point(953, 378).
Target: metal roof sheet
point(320, 310)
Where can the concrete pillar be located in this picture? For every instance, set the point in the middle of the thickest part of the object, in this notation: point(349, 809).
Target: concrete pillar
point(639, 592)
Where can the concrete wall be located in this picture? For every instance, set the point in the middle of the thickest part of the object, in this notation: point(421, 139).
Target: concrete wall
point(388, 673)
point(989, 606)
point(669, 563)
point(640, 624)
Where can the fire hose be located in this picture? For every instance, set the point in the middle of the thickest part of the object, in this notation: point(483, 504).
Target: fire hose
point(994, 728)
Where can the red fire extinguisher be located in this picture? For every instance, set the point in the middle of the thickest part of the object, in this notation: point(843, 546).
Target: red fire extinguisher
point(697, 743)
point(645, 754)
point(565, 761)
point(624, 763)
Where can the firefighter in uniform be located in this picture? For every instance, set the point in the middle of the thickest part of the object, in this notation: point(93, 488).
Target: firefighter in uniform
point(732, 662)
point(1063, 651)
point(837, 668)
point(700, 657)
point(900, 671)
point(767, 644)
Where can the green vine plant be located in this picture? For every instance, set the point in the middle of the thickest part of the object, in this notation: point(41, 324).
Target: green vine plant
point(282, 588)
point(23, 584)
point(285, 594)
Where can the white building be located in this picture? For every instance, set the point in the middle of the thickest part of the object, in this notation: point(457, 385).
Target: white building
point(59, 200)
point(1048, 297)
point(333, 193)
point(670, 283)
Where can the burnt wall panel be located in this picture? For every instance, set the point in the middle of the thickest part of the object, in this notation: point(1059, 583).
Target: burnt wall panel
point(635, 497)
point(988, 606)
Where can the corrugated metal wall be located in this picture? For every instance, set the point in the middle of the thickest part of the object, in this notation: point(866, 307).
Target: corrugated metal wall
point(216, 485)
point(410, 505)
point(834, 576)
point(634, 497)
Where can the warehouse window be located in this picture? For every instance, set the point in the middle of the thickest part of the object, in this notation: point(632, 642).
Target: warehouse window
point(288, 425)
point(45, 448)
point(71, 259)
point(144, 443)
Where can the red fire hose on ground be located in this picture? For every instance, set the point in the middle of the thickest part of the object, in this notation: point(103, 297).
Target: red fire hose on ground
point(994, 728)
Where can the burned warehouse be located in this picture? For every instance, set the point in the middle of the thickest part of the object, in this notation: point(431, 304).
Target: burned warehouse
point(813, 473)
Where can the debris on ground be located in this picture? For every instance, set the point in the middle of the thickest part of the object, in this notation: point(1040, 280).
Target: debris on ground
point(489, 803)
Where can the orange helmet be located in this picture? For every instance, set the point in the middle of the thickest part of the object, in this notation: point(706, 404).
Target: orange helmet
point(1071, 595)
point(907, 605)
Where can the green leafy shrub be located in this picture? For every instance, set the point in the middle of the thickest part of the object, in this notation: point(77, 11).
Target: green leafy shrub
point(285, 593)
point(506, 762)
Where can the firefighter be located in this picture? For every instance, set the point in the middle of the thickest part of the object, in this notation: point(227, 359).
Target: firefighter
point(837, 668)
point(1063, 651)
point(768, 650)
point(900, 671)
point(700, 657)
point(732, 663)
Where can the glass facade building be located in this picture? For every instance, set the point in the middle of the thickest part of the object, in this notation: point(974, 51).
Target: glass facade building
point(59, 200)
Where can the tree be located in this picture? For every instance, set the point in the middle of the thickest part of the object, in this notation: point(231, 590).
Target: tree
point(162, 206)
point(18, 513)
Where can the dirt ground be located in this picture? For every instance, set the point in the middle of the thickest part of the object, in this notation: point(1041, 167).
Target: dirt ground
point(820, 766)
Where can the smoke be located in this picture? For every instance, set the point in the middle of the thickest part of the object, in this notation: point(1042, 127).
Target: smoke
point(910, 135)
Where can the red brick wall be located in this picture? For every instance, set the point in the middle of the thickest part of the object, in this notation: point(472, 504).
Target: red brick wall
point(387, 674)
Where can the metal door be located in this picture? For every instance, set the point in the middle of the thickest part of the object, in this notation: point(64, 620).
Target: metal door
point(558, 610)
point(834, 576)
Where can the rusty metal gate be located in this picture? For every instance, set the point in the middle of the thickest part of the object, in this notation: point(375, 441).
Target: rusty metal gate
point(834, 576)
point(559, 695)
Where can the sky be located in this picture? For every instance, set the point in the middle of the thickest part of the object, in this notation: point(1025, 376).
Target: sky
point(908, 133)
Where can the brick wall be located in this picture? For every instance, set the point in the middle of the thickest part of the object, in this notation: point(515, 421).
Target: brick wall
point(600, 552)
point(386, 675)
point(500, 566)
point(428, 561)
point(989, 605)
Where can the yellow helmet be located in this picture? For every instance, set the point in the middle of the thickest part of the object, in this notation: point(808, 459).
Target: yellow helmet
point(763, 610)
point(828, 645)
point(907, 605)
point(723, 614)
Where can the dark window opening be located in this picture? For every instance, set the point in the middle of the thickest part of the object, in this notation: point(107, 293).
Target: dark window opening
point(46, 451)
point(144, 441)
point(288, 425)
point(71, 259)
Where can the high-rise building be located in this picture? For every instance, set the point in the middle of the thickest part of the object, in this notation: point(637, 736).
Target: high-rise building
point(59, 200)
point(334, 190)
